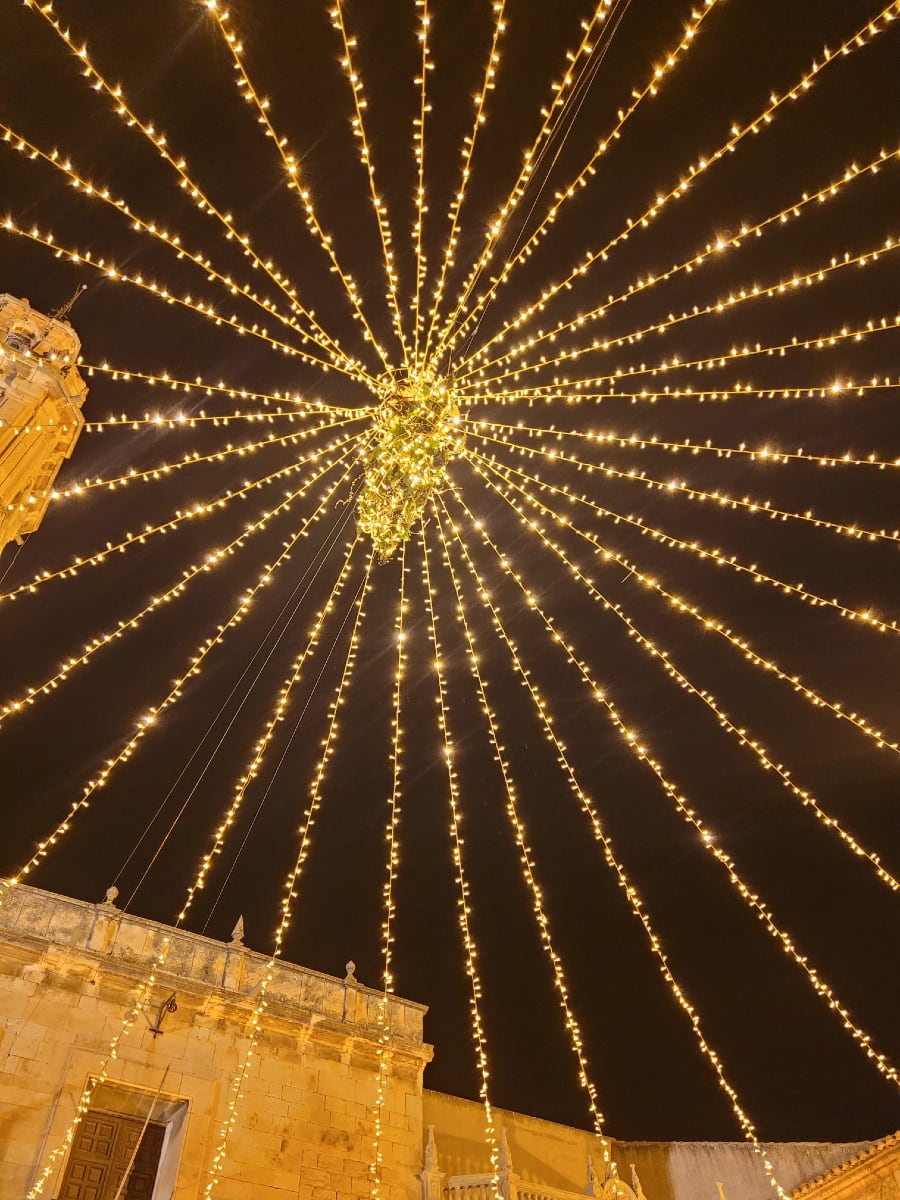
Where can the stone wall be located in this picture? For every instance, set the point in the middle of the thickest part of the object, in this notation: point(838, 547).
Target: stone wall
point(68, 975)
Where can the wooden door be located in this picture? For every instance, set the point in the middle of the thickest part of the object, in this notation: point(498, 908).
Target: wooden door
point(101, 1152)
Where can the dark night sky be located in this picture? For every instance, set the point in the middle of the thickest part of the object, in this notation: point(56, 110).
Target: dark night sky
point(798, 1073)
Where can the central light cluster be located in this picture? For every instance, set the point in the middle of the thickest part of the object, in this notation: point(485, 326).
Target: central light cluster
point(416, 432)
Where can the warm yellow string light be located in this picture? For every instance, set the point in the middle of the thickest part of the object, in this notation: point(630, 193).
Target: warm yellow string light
point(145, 988)
point(291, 163)
point(193, 457)
point(735, 353)
point(517, 826)
point(707, 838)
point(448, 257)
point(823, 391)
point(110, 271)
point(174, 420)
point(251, 1035)
point(861, 38)
point(165, 380)
point(719, 557)
point(392, 837)
point(562, 92)
point(666, 64)
point(744, 737)
point(639, 441)
point(712, 251)
point(365, 153)
point(199, 508)
point(677, 487)
point(463, 900)
point(753, 291)
point(421, 208)
point(211, 559)
point(44, 8)
point(154, 229)
point(587, 805)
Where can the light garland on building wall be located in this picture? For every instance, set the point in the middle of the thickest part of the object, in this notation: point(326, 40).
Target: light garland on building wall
point(463, 897)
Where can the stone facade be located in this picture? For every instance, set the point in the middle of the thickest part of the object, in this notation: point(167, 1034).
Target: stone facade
point(69, 972)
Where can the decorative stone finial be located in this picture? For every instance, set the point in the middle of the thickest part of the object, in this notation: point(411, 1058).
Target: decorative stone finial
point(590, 1188)
point(636, 1184)
point(110, 897)
point(505, 1162)
point(350, 968)
point(431, 1162)
point(237, 934)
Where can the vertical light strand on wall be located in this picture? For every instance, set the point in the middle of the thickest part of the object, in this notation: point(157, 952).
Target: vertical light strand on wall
point(463, 899)
point(392, 839)
point(526, 855)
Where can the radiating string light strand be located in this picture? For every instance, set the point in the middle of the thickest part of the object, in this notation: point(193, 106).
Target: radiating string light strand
point(252, 1029)
point(115, 274)
point(861, 38)
point(145, 988)
point(463, 901)
point(44, 9)
point(690, 447)
point(448, 257)
point(291, 163)
point(212, 559)
point(666, 366)
point(677, 487)
point(600, 835)
point(419, 201)
point(707, 838)
point(194, 458)
point(743, 736)
point(199, 508)
point(821, 391)
point(519, 832)
point(785, 286)
point(392, 838)
point(664, 67)
point(154, 229)
point(713, 250)
point(382, 217)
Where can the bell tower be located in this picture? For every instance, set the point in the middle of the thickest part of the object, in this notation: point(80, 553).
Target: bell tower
point(41, 396)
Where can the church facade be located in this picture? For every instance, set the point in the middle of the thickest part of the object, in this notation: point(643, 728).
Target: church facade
point(96, 1107)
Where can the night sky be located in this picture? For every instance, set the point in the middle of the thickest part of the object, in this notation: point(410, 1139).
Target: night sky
point(797, 1071)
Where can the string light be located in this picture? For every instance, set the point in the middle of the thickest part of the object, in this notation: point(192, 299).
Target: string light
point(145, 988)
point(722, 499)
point(44, 8)
point(154, 229)
point(252, 1029)
point(448, 258)
point(742, 736)
point(463, 899)
point(291, 163)
point(517, 826)
point(587, 805)
point(114, 273)
point(701, 165)
point(193, 457)
point(365, 153)
point(707, 837)
point(200, 508)
point(392, 837)
point(856, 334)
point(666, 64)
point(712, 251)
point(753, 291)
point(209, 562)
point(638, 441)
point(418, 141)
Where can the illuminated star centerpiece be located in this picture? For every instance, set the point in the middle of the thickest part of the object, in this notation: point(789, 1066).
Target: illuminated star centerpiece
point(416, 432)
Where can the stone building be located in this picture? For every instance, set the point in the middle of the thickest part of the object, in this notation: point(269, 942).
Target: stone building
point(41, 397)
point(303, 1129)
